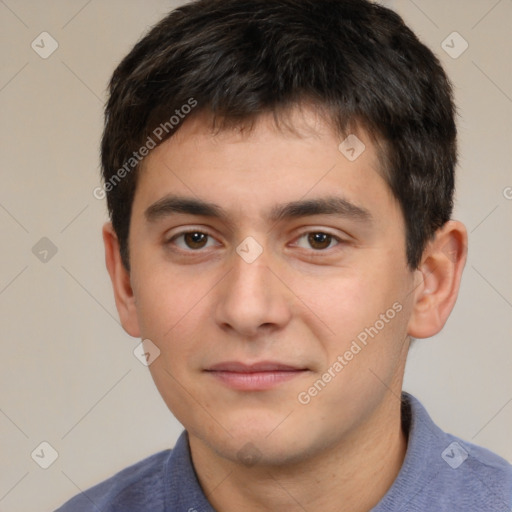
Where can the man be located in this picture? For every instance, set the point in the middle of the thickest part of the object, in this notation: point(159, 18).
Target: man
point(280, 176)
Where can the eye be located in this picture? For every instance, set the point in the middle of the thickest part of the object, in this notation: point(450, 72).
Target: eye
point(191, 240)
point(318, 240)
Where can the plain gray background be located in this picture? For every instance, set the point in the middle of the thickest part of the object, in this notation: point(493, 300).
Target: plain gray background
point(68, 374)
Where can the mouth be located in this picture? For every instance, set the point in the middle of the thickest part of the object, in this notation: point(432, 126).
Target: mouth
point(254, 377)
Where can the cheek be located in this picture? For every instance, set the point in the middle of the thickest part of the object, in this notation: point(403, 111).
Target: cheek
point(344, 302)
point(366, 313)
point(163, 297)
point(175, 315)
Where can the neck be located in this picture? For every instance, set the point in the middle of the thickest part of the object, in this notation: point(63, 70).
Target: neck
point(351, 476)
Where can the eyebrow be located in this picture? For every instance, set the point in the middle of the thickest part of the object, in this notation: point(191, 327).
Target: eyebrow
point(331, 205)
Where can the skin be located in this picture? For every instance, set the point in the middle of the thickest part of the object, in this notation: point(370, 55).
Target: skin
point(300, 303)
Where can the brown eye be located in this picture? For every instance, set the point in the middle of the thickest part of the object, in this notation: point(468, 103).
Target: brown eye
point(319, 241)
point(195, 240)
point(192, 241)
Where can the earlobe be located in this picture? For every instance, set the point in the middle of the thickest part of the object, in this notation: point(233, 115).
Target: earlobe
point(438, 283)
point(121, 284)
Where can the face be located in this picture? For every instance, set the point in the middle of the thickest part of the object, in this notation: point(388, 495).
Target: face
point(270, 271)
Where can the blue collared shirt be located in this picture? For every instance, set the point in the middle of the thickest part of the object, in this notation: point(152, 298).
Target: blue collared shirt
point(440, 473)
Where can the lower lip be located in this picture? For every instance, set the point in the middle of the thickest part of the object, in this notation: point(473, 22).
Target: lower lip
point(257, 381)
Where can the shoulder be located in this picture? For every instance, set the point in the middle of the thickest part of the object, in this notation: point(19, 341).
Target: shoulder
point(450, 472)
point(477, 475)
point(130, 490)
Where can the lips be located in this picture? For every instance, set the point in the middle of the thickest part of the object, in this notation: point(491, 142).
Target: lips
point(264, 366)
point(254, 377)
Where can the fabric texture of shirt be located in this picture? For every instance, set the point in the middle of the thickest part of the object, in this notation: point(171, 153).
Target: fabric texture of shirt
point(440, 473)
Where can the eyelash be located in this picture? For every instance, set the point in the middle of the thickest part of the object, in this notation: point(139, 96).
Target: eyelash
point(305, 234)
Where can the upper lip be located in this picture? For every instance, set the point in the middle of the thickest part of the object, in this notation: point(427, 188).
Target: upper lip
point(263, 366)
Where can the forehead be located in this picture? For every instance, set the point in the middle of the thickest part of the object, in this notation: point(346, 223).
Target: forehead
point(254, 167)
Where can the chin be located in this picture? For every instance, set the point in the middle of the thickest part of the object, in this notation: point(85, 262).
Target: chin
point(260, 443)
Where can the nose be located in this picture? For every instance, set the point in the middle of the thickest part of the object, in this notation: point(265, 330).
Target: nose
point(252, 300)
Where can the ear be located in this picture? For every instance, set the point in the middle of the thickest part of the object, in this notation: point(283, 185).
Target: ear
point(438, 280)
point(120, 277)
